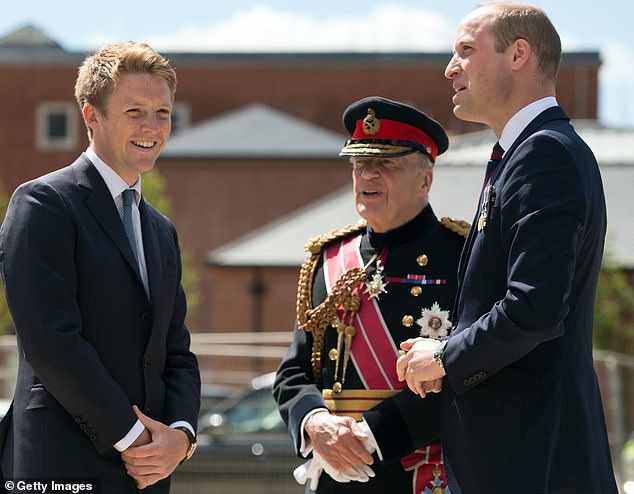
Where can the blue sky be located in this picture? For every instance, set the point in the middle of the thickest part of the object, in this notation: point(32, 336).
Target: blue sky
point(327, 25)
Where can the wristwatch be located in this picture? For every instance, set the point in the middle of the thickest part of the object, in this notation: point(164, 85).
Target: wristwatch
point(192, 444)
point(440, 349)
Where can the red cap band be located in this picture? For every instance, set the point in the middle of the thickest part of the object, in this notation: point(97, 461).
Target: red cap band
point(394, 130)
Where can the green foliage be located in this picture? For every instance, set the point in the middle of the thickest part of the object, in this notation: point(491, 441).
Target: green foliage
point(614, 310)
point(153, 188)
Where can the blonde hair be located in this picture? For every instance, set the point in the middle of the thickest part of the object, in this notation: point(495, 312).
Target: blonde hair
point(98, 74)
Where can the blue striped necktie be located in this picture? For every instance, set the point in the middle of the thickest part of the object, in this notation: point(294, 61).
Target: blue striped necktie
point(126, 215)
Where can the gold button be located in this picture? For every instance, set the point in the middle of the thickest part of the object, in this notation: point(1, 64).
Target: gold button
point(408, 321)
point(332, 354)
point(337, 387)
point(422, 260)
point(334, 323)
point(416, 291)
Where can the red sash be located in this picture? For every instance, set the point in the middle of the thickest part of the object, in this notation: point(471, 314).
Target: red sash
point(374, 355)
point(375, 361)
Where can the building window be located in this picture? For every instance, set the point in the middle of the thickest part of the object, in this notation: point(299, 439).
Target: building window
point(57, 126)
point(181, 116)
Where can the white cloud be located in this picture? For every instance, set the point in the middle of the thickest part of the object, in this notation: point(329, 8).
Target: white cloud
point(616, 82)
point(263, 28)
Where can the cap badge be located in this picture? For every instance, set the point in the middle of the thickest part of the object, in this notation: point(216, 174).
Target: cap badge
point(371, 124)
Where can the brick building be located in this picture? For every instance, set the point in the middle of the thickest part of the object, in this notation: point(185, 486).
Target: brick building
point(41, 128)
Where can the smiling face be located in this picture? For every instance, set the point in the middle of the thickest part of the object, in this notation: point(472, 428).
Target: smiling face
point(390, 192)
point(131, 132)
point(481, 76)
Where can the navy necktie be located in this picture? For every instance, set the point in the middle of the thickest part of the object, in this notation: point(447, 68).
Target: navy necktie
point(126, 216)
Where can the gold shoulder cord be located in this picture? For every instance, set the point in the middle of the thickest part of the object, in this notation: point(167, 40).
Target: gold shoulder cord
point(460, 227)
point(343, 294)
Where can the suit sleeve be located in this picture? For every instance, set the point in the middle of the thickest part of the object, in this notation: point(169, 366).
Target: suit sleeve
point(542, 207)
point(181, 374)
point(295, 389)
point(40, 280)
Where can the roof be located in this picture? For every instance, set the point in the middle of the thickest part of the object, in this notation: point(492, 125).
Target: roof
point(254, 131)
point(454, 193)
point(28, 35)
point(30, 45)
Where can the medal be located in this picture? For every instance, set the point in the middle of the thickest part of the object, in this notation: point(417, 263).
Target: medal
point(375, 287)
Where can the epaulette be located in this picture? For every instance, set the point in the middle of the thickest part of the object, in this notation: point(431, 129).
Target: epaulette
point(316, 244)
point(460, 227)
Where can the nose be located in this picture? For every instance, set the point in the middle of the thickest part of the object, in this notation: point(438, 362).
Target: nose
point(453, 67)
point(151, 123)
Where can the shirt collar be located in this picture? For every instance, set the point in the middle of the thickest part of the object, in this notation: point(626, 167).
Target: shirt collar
point(116, 185)
point(522, 118)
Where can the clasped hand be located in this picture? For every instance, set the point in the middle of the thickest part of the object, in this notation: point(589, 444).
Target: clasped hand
point(418, 366)
point(156, 453)
point(340, 447)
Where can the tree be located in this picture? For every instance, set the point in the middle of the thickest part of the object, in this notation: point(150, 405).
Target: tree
point(153, 188)
point(614, 309)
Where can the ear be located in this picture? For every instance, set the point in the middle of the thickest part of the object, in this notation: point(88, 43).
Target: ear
point(90, 115)
point(521, 52)
point(428, 178)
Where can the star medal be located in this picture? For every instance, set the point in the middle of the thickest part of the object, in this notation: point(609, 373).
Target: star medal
point(434, 322)
point(376, 286)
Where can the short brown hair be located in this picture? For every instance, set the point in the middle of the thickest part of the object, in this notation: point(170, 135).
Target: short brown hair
point(515, 21)
point(99, 72)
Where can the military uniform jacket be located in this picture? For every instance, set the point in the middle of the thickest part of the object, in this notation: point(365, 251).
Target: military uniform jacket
point(400, 424)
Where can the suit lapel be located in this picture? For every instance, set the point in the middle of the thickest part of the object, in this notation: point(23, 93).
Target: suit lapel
point(553, 113)
point(152, 249)
point(102, 207)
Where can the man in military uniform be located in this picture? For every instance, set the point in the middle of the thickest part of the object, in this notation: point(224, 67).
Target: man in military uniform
point(362, 291)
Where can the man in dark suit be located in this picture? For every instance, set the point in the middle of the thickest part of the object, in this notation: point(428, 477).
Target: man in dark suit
point(362, 291)
point(521, 406)
point(108, 390)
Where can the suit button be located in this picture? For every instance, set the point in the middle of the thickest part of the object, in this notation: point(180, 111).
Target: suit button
point(145, 317)
point(147, 363)
point(408, 321)
point(146, 411)
point(422, 260)
point(93, 437)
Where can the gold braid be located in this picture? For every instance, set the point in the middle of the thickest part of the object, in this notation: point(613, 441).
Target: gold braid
point(343, 294)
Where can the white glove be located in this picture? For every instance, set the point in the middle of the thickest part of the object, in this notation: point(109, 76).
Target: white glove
point(311, 470)
point(358, 473)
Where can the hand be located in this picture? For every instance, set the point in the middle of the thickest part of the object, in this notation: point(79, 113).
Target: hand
point(150, 462)
point(418, 366)
point(338, 440)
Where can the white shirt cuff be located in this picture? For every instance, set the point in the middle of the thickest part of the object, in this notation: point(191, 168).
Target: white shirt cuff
point(363, 425)
point(130, 437)
point(182, 423)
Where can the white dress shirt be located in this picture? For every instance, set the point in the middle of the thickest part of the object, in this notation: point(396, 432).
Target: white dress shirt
point(518, 122)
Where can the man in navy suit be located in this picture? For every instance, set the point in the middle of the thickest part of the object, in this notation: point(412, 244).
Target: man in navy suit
point(108, 390)
point(521, 409)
